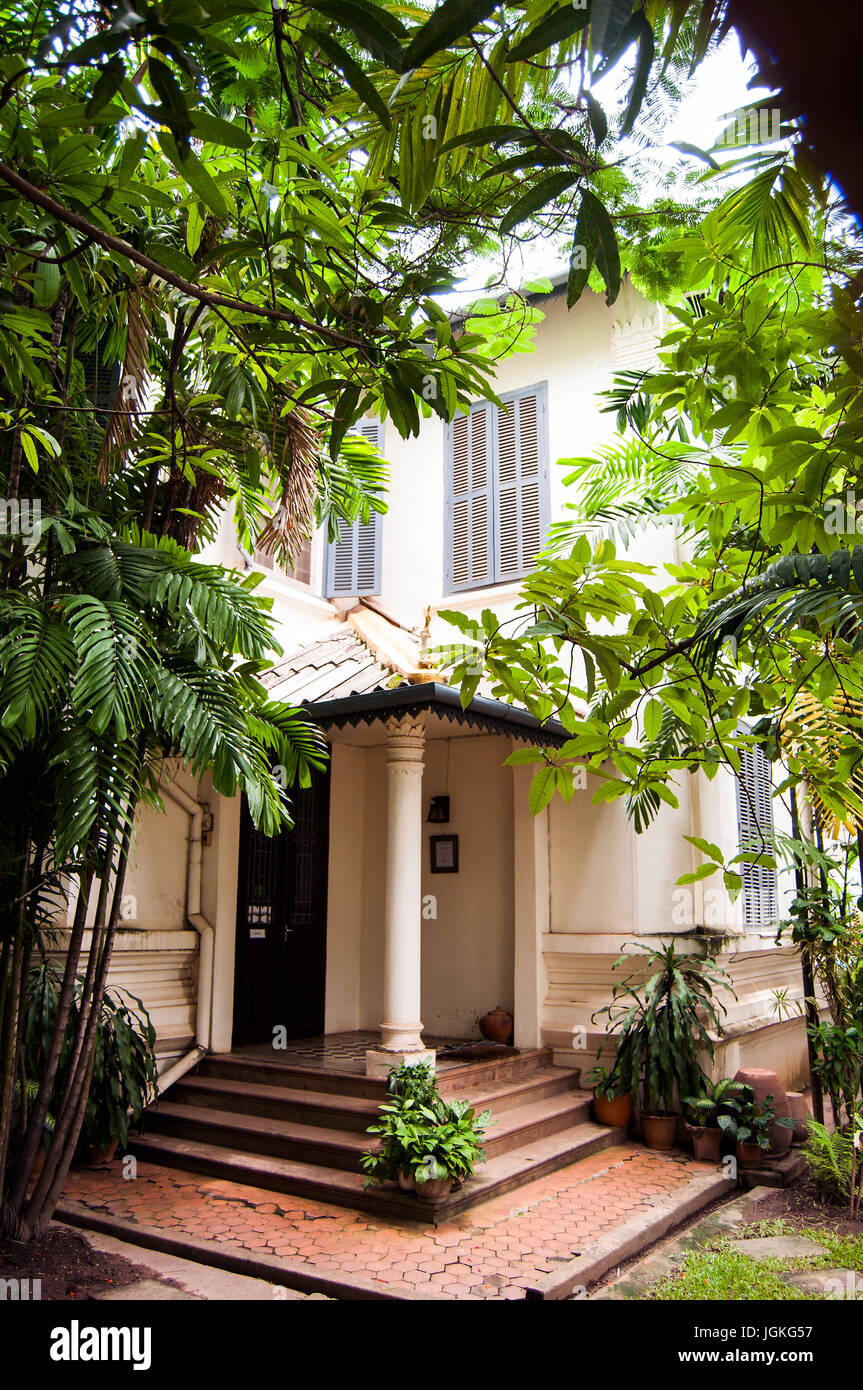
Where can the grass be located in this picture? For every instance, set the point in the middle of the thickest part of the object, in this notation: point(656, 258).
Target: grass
point(723, 1270)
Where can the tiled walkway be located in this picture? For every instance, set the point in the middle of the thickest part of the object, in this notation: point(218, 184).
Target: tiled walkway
point(491, 1251)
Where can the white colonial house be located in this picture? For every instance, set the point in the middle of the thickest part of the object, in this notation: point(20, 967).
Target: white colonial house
point(417, 890)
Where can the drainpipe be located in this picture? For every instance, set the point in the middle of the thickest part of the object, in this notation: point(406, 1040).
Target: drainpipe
point(195, 812)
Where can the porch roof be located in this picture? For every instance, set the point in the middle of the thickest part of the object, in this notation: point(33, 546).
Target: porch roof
point(341, 684)
point(442, 700)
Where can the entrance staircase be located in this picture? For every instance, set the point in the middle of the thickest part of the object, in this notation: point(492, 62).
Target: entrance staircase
point(301, 1130)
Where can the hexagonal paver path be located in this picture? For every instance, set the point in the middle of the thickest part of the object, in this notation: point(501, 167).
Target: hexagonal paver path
point(491, 1251)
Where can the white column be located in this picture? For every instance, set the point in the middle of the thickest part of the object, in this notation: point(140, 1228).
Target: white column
point(401, 1027)
point(531, 896)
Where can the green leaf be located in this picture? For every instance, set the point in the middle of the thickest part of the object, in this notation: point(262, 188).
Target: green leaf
point(646, 53)
point(542, 789)
point(595, 232)
point(538, 197)
point(447, 23)
point(561, 24)
point(190, 168)
point(353, 74)
point(703, 871)
point(215, 131)
point(653, 719)
point(598, 119)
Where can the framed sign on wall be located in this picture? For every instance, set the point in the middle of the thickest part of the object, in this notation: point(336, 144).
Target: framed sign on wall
point(444, 854)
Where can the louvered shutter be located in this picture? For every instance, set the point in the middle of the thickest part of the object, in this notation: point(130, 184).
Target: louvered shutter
point(354, 560)
point(469, 551)
point(520, 501)
point(755, 821)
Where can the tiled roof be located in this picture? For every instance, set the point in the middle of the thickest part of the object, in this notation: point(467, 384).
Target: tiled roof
point(328, 669)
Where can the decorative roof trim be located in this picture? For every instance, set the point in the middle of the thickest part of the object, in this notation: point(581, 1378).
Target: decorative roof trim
point(482, 713)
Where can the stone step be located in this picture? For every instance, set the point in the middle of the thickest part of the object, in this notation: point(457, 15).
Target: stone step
point(328, 1184)
point(451, 1079)
point(334, 1111)
point(313, 1142)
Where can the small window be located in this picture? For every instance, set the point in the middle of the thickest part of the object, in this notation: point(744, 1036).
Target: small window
point(353, 562)
point(301, 570)
point(496, 490)
point(755, 821)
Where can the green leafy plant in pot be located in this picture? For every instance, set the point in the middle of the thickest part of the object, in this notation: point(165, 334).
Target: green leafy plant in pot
point(702, 1113)
point(612, 1104)
point(751, 1125)
point(426, 1143)
point(124, 1078)
point(661, 1013)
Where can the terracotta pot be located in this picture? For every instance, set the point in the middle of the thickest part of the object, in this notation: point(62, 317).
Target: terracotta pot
point(800, 1114)
point(751, 1155)
point(497, 1025)
point(764, 1084)
point(659, 1130)
point(38, 1163)
point(617, 1112)
point(99, 1154)
point(407, 1182)
point(435, 1190)
point(706, 1142)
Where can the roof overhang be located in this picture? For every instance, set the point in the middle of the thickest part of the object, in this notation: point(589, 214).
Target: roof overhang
point(493, 716)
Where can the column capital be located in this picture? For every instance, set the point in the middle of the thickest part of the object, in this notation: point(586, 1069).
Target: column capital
point(406, 742)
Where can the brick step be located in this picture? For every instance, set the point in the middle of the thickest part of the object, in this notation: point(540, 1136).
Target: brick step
point(342, 1148)
point(497, 1176)
point(334, 1111)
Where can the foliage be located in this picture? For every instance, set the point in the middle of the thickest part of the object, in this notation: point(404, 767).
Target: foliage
point(839, 1064)
point(704, 1109)
point(422, 1135)
point(725, 1273)
point(125, 1076)
point(749, 1121)
point(661, 1014)
point(606, 1082)
point(834, 1162)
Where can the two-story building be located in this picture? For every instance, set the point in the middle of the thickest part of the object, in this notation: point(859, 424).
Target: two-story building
point(417, 891)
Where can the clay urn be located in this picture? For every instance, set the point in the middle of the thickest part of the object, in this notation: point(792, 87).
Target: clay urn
point(800, 1114)
point(496, 1026)
point(766, 1083)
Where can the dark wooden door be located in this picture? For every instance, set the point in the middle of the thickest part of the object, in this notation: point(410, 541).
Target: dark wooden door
point(280, 969)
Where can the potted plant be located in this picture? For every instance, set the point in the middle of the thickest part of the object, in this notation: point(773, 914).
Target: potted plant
point(427, 1144)
point(703, 1118)
point(750, 1124)
point(612, 1104)
point(124, 1078)
point(661, 1013)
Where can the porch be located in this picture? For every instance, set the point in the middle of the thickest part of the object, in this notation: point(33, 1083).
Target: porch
point(295, 1121)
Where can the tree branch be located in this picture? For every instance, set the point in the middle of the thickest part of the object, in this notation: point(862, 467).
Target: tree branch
point(122, 248)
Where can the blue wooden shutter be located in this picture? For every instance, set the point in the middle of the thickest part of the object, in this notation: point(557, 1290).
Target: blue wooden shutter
point(469, 550)
point(521, 483)
point(354, 560)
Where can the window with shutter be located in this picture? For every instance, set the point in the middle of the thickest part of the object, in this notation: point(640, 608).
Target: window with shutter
point(353, 562)
point(470, 510)
point(497, 490)
point(755, 820)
